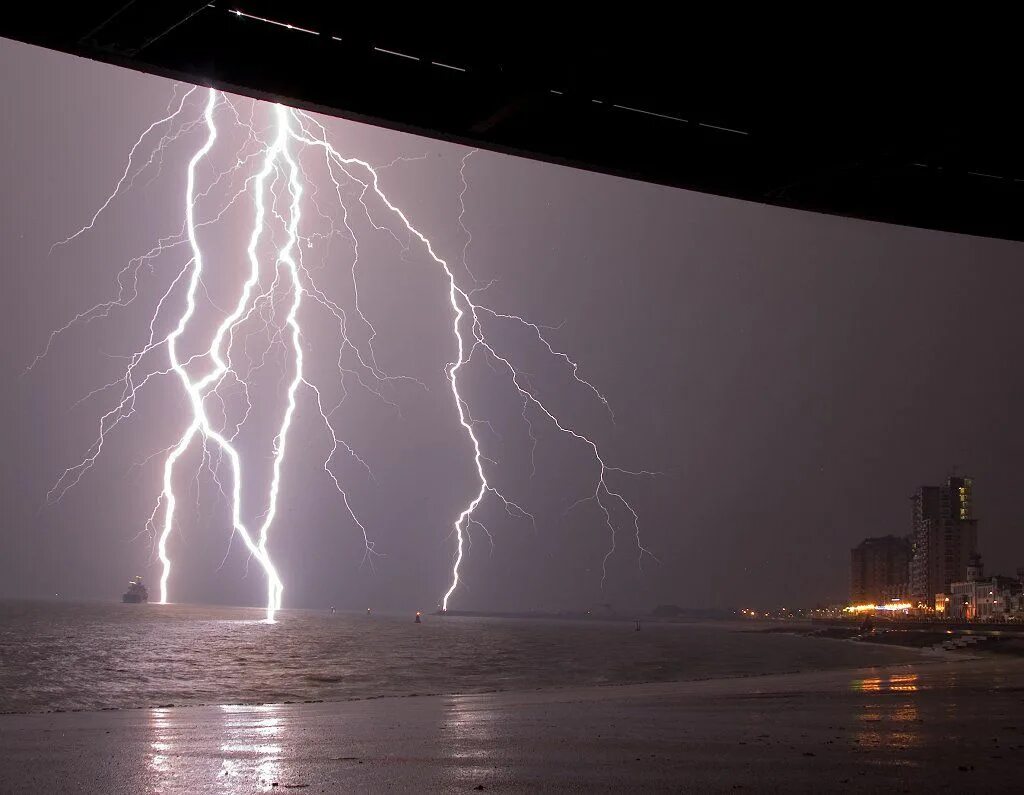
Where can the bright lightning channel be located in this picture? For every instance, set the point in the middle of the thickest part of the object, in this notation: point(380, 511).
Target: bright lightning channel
point(294, 130)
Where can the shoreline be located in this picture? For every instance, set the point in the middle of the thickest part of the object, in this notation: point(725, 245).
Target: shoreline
point(923, 639)
point(927, 657)
point(586, 691)
point(201, 657)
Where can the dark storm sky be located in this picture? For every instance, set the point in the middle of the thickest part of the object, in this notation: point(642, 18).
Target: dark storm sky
point(794, 376)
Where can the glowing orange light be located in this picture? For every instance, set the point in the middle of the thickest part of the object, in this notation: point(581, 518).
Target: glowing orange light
point(890, 607)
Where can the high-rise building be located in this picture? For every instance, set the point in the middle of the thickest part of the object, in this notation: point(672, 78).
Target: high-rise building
point(944, 538)
point(879, 569)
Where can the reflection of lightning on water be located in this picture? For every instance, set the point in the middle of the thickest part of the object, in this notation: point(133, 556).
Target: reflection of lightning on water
point(269, 314)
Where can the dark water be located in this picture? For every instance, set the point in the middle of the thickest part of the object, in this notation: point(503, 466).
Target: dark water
point(92, 656)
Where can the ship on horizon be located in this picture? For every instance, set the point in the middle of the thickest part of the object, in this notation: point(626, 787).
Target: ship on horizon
point(136, 593)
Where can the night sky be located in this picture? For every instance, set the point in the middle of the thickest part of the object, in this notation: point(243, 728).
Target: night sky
point(793, 376)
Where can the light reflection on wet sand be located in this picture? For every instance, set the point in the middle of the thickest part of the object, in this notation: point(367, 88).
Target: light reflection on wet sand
point(246, 756)
point(161, 747)
point(929, 727)
point(471, 731)
point(889, 721)
point(252, 747)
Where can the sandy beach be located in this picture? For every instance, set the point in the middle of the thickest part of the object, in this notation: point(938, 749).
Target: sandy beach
point(928, 726)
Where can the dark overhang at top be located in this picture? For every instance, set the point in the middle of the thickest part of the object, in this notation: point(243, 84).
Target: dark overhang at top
point(852, 122)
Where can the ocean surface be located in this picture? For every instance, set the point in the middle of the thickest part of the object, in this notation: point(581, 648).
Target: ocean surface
point(65, 656)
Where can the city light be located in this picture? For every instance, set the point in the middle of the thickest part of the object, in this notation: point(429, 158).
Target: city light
point(890, 607)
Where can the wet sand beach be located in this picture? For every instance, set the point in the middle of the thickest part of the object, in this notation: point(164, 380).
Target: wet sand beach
point(927, 726)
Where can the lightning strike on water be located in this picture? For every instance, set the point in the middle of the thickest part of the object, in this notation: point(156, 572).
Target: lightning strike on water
point(277, 192)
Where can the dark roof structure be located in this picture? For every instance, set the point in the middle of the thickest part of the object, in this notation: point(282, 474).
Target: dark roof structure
point(862, 121)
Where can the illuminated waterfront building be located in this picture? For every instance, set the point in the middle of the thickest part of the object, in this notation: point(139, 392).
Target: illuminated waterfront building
point(980, 598)
point(944, 538)
point(879, 569)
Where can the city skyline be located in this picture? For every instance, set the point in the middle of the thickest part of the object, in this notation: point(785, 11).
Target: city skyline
point(937, 567)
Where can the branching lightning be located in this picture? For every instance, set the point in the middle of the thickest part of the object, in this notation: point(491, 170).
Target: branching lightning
point(268, 170)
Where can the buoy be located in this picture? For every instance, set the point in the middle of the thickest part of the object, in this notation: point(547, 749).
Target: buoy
point(418, 617)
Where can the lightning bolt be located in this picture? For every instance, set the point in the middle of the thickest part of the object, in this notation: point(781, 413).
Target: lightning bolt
point(217, 381)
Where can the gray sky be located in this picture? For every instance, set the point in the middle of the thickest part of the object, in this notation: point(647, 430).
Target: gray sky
point(794, 377)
